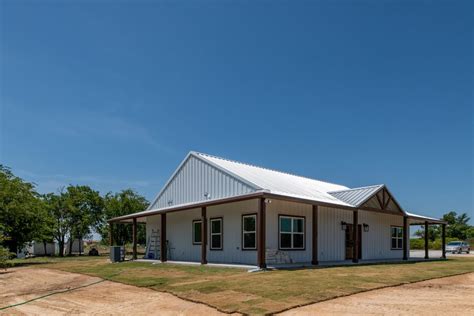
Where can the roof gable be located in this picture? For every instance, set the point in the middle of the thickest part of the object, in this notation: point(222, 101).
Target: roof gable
point(357, 196)
point(375, 197)
point(196, 180)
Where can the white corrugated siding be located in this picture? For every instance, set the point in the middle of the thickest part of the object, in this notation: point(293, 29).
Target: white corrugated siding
point(331, 238)
point(194, 179)
point(278, 207)
point(376, 243)
point(179, 235)
point(232, 229)
point(152, 222)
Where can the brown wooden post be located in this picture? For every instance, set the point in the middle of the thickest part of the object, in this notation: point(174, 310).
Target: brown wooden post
point(203, 236)
point(134, 239)
point(163, 249)
point(426, 241)
point(443, 237)
point(261, 234)
point(355, 237)
point(111, 234)
point(405, 237)
point(315, 235)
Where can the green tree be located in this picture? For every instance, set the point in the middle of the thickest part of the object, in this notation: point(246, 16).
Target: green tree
point(434, 232)
point(60, 216)
point(85, 211)
point(458, 226)
point(20, 210)
point(123, 203)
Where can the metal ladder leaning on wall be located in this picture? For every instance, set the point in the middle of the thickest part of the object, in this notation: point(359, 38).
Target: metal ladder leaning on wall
point(153, 245)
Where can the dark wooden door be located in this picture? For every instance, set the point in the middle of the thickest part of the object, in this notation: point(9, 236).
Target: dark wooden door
point(350, 241)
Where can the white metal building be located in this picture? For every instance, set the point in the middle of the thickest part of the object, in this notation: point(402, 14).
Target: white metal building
point(222, 211)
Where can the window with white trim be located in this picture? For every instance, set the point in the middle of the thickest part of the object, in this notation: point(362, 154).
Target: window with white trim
point(249, 232)
point(197, 230)
point(291, 232)
point(216, 233)
point(397, 237)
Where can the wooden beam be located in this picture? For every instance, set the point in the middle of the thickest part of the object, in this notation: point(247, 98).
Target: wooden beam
point(405, 237)
point(443, 240)
point(111, 234)
point(426, 241)
point(355, 237)
point(250, 196)
point(163, 250)
point(203, 235)
point(134, 239)
point(386, 204)
point(261, 234)
point(372, 209)
point(315, 235)
point(380, 202)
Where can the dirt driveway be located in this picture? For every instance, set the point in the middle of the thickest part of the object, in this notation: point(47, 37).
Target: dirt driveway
point(97, 296)
point(452, 296)
point(448, 296)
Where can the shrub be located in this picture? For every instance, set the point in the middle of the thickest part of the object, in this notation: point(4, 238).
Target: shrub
point(5, 256)
point(419, 243)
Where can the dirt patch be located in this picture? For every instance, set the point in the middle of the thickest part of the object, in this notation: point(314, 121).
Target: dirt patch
point(106, 297)
point(450, 296)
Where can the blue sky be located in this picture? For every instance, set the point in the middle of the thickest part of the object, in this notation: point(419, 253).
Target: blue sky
point(114, 94)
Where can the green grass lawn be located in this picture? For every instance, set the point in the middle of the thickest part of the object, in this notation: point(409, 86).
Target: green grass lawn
point(236, 290)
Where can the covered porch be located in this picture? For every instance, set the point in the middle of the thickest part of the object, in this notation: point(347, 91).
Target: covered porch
point(385, 205)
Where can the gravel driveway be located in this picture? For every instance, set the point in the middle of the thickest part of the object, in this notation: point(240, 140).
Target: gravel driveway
point(444, 296)
point(450, 295)
point(96, 297)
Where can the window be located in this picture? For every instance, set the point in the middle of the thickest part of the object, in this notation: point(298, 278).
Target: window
point(292, 232)
point(397, 237)
point(197, 229)
point(249, 232)
point(216, 233)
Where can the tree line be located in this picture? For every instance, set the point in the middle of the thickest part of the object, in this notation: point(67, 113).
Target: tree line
point(74, 212)
point(457, 228)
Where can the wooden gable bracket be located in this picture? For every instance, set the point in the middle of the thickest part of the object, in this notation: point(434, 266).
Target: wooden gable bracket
point(389, 198)
point(378, 200)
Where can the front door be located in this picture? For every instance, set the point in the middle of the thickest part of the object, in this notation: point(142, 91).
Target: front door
point(350, 241)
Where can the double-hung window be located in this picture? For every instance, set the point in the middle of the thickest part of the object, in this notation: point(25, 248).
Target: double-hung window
point(249, 232)
point(197, 230)
point(291, 232)
point(216, 233)
point(397, 237)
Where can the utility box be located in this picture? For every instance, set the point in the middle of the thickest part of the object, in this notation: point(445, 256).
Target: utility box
point(117, 253)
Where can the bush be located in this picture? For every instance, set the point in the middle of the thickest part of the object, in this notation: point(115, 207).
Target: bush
point(5, 255)
point(419, 243)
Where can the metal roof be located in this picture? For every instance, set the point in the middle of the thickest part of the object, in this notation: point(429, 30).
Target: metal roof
point(357, 196)
point(264, 180)
point(278, 182)
point(420, 219)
